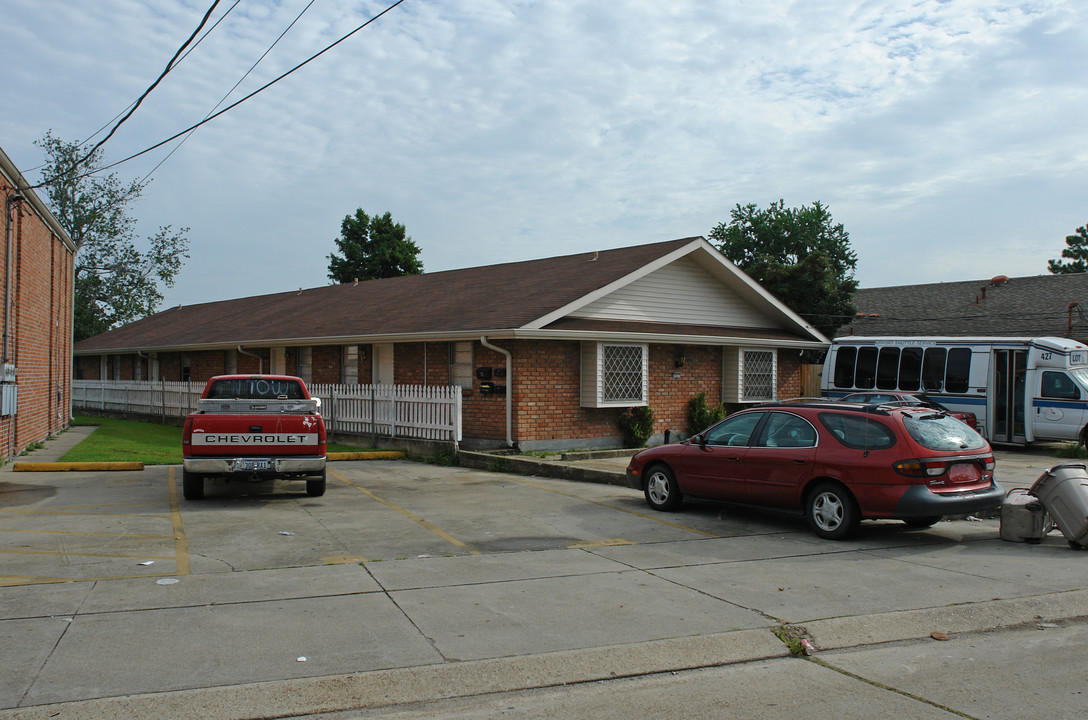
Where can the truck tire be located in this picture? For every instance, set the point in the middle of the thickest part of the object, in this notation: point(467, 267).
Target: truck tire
point(315, 487)
point(192, 485)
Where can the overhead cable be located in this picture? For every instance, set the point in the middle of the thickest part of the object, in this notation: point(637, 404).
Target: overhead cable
point(169, 67)
point(240, 81)
point(179, 61)
point(255, 92)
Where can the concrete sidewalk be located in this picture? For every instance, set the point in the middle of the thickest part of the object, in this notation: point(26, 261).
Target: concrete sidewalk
point(54, 448)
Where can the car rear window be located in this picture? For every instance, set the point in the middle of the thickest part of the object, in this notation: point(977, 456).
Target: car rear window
point(255, 389)
point(937, 431)
point(858, 431)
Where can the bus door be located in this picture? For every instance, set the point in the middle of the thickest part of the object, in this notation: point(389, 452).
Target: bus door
point(1010, 369)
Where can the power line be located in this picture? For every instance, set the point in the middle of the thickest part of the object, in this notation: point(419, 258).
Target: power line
point(180, 60)
point(229, 92)
point(169, 67)
point(255, 92)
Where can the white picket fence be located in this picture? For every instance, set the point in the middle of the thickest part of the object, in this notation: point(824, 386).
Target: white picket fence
point(401, 411)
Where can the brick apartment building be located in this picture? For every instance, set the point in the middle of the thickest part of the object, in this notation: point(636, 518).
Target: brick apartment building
point(38, 264)
point(548, 353)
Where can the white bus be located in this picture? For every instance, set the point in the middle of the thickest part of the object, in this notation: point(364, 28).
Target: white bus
point(1020, 389)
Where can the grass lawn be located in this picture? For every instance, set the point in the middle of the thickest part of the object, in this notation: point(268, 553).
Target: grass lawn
point(131, 440)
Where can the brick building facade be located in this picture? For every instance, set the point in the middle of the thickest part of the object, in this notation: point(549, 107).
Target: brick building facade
point(36, 286)
point(572, 371)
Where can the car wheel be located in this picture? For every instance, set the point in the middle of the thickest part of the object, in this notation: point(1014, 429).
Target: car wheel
point(832, 512)
point(192, 485)
point(661, 490)
point(921, 523)
point(315, 487)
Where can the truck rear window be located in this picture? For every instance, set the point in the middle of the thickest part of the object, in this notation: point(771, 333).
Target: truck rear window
point(255, 389)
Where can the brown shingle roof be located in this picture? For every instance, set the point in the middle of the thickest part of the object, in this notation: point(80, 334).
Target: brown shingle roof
point(493, 297)
point(1032, 306)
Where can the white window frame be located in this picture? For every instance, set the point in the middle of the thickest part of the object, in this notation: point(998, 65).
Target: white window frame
point(594, 375)
point(747, 385)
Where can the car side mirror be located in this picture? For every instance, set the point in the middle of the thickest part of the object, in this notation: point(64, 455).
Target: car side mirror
point(701, 439)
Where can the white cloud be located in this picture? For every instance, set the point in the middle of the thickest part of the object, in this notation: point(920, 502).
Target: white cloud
point(944, 135)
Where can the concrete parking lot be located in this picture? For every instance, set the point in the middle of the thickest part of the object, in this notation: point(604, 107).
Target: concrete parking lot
point(420, 591)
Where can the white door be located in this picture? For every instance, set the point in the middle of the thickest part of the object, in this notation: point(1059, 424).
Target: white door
point(383, 364)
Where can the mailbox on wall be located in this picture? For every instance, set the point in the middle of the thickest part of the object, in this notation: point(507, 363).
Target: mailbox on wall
point(487, 388)
point(483, 373)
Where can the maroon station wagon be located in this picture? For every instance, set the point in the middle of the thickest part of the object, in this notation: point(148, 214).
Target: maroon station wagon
point(838, 463)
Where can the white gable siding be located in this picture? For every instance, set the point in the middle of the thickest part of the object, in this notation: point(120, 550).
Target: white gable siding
point(681, 292)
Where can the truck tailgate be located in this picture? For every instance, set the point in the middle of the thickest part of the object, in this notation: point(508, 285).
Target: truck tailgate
point(257, 434)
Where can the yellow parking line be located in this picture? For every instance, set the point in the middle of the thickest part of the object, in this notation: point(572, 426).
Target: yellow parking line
point(90, 534)
point(68, 553)
point(608, 542)
point(615, 507)
point(12, 511)
point(415, 518)
point(78, 507)
point(181, 544)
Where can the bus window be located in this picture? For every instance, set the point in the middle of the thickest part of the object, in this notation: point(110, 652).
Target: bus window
point(865, 375)
point(959, 370)
point(910, 369)
point(1058, 385)
point(844, 366)
point(887, 368)
point(933, 369)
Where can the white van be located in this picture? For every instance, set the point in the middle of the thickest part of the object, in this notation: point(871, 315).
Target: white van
point(1020, 389)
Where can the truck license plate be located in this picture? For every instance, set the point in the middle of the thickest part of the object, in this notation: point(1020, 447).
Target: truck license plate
point(252, 465)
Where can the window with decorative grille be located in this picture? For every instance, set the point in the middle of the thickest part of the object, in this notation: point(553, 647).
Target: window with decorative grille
point(757, 375)
point(621, 373)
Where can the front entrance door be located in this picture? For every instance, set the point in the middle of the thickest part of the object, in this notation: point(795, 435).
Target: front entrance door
point(383, 364)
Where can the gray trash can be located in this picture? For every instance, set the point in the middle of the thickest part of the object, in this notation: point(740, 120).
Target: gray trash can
point(1063, 491)
point(1023, 518)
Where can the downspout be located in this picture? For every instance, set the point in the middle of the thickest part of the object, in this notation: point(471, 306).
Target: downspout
point(260, 360)
point(12, 200)
point(509, 389)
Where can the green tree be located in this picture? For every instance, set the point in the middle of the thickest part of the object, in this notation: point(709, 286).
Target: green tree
point(373, 247)
point(115, 281)
point(1075, 254)
point(799, 255)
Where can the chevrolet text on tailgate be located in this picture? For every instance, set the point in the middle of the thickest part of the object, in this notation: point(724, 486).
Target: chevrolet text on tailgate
point(254, 427)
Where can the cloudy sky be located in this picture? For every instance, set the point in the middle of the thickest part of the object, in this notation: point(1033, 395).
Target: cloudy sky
point(949, 138)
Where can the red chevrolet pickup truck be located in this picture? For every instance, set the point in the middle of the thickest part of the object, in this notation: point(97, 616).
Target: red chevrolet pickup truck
point(255, 428)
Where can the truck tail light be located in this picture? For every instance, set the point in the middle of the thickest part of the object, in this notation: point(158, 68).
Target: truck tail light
point(186, 433)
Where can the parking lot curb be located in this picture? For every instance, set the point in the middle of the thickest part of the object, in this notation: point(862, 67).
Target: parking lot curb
point(427, 683)
point(365, 455)
point(520, 465)
point(851, 632)
point(74, 466)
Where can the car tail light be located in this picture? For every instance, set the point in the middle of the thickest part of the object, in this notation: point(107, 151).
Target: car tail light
point(921, 468)
point(988, 463)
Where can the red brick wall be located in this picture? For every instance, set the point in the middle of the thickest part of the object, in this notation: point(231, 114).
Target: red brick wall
point(789, 374)
point(420, 364)
point(204, 364)
point(325, 364)
point(547, 393)
point(40, 335)
point(366, 364)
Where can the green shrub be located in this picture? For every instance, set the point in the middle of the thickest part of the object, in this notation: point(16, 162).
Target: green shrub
point(637, 425)
point(700, 417)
